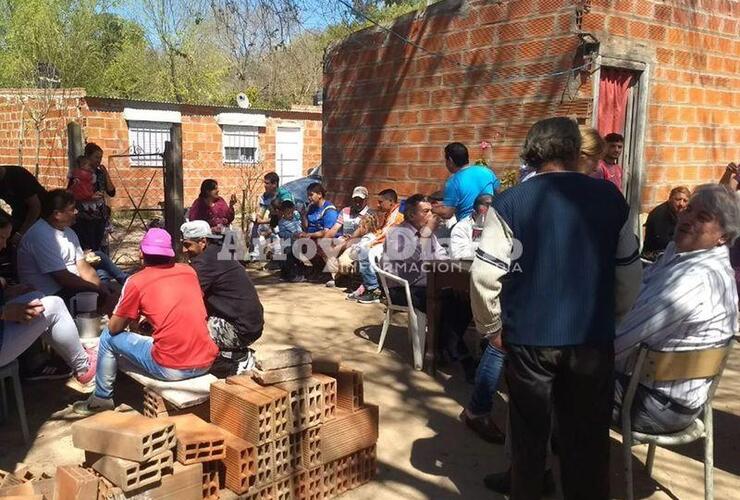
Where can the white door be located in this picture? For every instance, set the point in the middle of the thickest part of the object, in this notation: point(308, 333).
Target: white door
point(289, 153)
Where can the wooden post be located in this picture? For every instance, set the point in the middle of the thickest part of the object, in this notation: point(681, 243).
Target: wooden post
point(75, 144)
point(174, 214)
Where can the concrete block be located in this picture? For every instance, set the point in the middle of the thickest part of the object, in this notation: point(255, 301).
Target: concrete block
point(129, 475)
point(185, 483)
point(311, 448)
point(306, 402)
point(348, 433)
point(197, 440)
point(308, 484)
point(270, 377)
point(327, 364)
point(245, 413)
point(281, 414)
point(350, 392)
point(75, 483)
point(265, 465)
point(329, 393)
point(240, 464)
point(282, 358)
point(211, 485)
point(130, 436)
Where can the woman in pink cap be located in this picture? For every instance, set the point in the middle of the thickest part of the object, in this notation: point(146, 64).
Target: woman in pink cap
point(159, 325)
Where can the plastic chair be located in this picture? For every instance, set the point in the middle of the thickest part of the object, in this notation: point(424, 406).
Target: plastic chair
point(655, 366)
point(417, 320)
point(11, 371)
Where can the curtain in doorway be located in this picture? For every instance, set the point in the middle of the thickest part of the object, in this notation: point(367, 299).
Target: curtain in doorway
point(613, 89)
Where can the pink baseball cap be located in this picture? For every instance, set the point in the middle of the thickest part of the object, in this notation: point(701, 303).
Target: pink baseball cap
point(157, 241)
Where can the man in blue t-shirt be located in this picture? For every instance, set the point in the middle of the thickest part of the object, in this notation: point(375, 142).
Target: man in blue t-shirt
point(466, 183)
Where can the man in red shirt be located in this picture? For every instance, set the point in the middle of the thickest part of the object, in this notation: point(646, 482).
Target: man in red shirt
point(169, 298)
point(609, 169)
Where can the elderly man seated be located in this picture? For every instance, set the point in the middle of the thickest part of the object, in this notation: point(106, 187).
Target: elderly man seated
point(176, 345)
point(235, 315)
point(688, 301)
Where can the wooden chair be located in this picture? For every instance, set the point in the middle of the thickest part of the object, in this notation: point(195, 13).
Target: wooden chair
point(417, 319)
point(655, 366)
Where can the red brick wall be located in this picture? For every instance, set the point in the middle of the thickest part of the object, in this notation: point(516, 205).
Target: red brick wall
point(693, 120)
point(23, 113)
point(390, 107)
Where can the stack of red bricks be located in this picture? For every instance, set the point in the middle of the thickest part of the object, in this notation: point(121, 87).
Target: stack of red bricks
point(311, 434)
point(295, 428)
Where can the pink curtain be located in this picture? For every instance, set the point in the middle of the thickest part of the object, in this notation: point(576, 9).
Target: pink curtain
point(613, 99)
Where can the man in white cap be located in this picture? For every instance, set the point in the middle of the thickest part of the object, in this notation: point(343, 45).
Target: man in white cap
point(235, 314)
point(177, 347)
point(347, 229)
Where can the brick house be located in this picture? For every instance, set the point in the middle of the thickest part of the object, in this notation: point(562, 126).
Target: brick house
point(486, 70)
point(233, 145)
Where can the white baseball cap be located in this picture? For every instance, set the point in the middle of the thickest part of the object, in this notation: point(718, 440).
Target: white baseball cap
point(360, 192)
point(196, 229)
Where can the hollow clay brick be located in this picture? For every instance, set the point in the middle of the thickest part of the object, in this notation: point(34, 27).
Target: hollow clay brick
point(210, 479)
point(329, 393)
point(281, 415)
point(265, 465)
point(185, 483)
point(284, 488)
point(109, 491)
point(308, 484)
point(270, 377)
point(9, 479)
point(350, 393)
point(129, 475)
point(156, 406)
point(75, 483)
point(197, 440)
point(311, 448)
point(266, 492)
point(283, 358)
point(348, 433)
point(306, 402)
point(245, 413)
point(282, 464)
point(129, 435)
point(240, 464)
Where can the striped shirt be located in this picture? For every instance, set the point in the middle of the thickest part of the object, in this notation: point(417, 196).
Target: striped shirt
point(687, 301)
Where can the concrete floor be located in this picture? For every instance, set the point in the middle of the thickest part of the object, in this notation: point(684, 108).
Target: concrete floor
point(423, 450)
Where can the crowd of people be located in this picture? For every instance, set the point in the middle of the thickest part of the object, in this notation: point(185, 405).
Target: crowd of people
point(560, 297)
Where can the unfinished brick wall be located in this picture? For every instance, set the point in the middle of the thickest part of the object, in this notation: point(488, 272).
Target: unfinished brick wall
point(33, 128)
point(693, 122)
point(390, 107)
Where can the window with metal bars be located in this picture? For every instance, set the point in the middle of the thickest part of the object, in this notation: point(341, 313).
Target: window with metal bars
point(146, 138)
point(241, 144)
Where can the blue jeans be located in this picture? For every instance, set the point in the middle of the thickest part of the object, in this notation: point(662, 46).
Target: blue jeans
point(486, 381)
point(137, 349)
point(369, 278)
point(107, 270)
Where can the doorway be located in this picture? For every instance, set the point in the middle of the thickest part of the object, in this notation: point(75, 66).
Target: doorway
point(289, 153)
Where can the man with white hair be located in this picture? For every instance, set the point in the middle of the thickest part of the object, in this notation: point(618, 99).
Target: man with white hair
point(235, 314)
point(688, 301)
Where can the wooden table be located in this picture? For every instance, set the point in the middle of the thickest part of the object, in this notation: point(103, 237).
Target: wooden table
point(441, 275)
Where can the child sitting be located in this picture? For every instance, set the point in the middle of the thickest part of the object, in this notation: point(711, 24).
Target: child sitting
point(90, 203)
point(289, 227)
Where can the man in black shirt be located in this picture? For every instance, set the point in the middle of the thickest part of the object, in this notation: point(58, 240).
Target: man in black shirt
point(20, 189)
point(661, 222)
point(235, 314)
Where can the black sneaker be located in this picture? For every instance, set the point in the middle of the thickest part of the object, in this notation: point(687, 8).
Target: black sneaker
point(370, 297)
point(54, 369)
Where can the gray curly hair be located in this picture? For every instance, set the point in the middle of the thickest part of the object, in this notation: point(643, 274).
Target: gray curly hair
point(724, 204)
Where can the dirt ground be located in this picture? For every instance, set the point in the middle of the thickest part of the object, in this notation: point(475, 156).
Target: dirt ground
point(423, 450)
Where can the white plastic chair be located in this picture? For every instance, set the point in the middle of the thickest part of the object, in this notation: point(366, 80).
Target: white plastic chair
point(654, 366)
point(417, 320)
